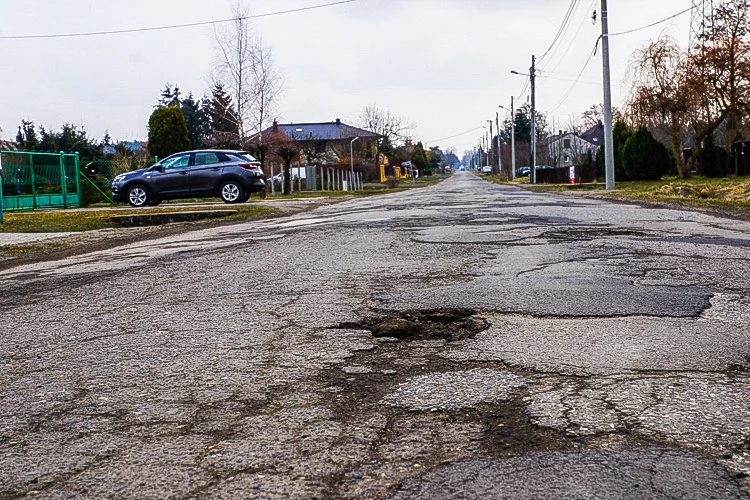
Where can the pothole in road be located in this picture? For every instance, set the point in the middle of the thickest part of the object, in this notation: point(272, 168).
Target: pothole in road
point(443, 324)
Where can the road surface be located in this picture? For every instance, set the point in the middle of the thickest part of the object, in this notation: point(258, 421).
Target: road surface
point(466, 340)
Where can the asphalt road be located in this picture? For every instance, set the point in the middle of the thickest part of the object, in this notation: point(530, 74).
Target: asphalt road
point(465, 340)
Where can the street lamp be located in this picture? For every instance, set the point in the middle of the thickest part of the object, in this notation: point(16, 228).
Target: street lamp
point(351, 157)
point(512, 137)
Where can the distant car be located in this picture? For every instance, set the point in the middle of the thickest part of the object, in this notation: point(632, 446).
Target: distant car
point(228, 174)
point(462, 168)
point(486, 169)
point(523, 171)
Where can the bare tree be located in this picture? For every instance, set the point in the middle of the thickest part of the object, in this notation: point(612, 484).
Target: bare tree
point(390, 128)
point(660, 95)
point(244, 66)
point(266, 86)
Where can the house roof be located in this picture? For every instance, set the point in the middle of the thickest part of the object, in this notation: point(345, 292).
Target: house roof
point(8, 146)
point(594, 135)
point(323, 131)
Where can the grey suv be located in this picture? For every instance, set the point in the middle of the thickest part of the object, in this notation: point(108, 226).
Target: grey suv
point(231, 175)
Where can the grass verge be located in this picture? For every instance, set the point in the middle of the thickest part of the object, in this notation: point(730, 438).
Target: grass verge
point(728, 192)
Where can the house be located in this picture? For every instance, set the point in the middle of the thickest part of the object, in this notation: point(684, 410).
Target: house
point(327, 142)
point(570, 148)
point(8, 146)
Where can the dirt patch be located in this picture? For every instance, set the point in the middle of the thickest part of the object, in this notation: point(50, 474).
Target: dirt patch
point(445, 324)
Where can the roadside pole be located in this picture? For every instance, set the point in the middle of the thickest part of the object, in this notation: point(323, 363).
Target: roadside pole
point(499, 148)
point(609, 156)
point(512, 138)
point(532, 77)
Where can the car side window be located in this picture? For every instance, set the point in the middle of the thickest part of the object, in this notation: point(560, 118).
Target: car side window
point(206, 159)
point(176, 162)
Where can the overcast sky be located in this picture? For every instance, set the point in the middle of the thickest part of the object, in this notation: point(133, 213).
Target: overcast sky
point(442, 64)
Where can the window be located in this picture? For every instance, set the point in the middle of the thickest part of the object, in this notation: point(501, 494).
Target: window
point(320, 147)
point(566, 143)
point(176, 161)
point(242, 157)
point(206, 159)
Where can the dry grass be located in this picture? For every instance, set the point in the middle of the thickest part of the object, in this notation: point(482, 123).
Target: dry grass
point(732, 192)
point(63, 221)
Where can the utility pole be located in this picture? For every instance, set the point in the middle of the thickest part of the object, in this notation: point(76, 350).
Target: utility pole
point(512, 138)
point(532, 77)
point(489, 159)
point(609, 156)
point(499, 148)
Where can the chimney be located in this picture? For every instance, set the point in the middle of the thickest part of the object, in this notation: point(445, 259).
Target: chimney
point(275, 126)
point(338, 122)
point(560, 133)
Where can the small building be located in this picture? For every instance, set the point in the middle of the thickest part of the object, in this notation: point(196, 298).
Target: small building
point(570, 148)
point(327, 142)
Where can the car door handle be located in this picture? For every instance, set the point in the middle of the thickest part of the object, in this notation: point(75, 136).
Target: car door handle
point(215, 168)
point(183, 173)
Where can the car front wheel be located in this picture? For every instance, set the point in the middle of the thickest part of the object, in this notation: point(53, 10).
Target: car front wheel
point(231, 192)
point(138, 196)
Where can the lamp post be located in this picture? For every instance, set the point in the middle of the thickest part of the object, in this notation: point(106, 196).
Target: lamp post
point(351, 157)
point(512, 136)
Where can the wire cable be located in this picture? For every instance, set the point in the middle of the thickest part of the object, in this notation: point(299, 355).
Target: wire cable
point(454, 136)
point(652, 24)
point(575, 37)
point(570, 90)
point(173, 26)
point(563, 26)
point(552, 55)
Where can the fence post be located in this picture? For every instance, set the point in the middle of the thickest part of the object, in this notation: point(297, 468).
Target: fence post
point(78, 179)
point(273, 183)
point(33, 180)
point(63, 180)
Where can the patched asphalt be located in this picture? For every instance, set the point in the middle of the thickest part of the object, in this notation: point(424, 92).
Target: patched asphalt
point(465, 340)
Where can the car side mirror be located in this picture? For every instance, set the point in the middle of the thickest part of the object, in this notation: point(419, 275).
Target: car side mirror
point(157, 168)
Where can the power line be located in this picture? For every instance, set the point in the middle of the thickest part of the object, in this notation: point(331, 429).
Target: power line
point(653, 24)
point(563, 27)
point(570, 90)
point(554, 52)
point(454, 136)
point(575, 37)
point(174, 26)
point(568, 80)
point(523, 90)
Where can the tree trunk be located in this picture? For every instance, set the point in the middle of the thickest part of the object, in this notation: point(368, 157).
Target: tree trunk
point(287, 178)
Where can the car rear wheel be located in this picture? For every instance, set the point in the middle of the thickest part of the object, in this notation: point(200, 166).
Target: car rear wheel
point(138, 196)
point(231, 192)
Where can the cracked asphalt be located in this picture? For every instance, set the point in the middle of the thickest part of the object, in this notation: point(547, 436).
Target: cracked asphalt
point(465, 340)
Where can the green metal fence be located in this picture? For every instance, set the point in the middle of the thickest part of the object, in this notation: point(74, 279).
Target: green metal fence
point(39, 180)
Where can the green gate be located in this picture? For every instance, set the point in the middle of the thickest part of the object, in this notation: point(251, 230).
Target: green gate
point(39, 180)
